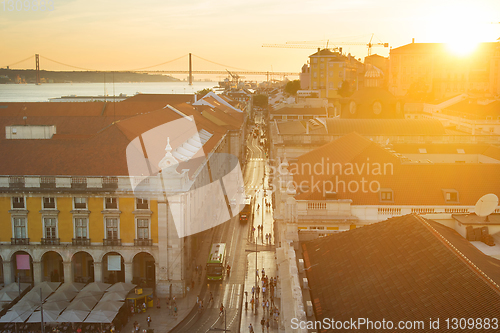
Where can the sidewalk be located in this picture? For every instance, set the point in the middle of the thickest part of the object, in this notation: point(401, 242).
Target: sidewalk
point(161, 320)
point(266, 260)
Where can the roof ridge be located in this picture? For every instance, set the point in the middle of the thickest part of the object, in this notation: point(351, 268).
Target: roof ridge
point(460, 255)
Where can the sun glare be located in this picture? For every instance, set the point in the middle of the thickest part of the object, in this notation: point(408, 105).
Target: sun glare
point(461, 27)
point(462, 48)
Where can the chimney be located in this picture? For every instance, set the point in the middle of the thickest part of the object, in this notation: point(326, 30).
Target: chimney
point(413, 40)
point(319, 50)
point(195, 97)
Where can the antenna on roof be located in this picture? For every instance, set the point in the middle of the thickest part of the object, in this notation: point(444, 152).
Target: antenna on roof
point(486, 205)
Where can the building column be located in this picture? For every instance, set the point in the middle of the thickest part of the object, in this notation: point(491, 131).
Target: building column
point(7, 273)
point(97, 271)
point(37, 271)
point(129, 272)
point(68, 271)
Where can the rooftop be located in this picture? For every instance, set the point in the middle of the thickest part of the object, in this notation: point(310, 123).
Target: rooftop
point(337, 126)
point(355, 158)
point(404, 268)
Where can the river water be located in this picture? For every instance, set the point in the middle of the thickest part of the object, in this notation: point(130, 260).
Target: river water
point(42, 93)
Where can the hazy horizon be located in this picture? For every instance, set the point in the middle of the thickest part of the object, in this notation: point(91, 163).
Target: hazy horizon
point(126, 35)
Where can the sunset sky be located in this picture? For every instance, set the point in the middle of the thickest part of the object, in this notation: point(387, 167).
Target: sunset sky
point(125, 34)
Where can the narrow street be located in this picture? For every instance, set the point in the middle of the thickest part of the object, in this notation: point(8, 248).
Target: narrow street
point(240, 247)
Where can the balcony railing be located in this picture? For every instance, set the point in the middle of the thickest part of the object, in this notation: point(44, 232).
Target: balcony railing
point(81, 241)
point(51, 241)
point(19, 241)
point(112, 242)
point(143, 242)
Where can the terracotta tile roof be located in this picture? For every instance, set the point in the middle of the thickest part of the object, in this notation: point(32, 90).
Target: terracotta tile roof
point(161, 98)
point(399, 269)
point(300, 111)
point(291, 127)
point(300, 127)
point(385, 126)
point(101, 153)
point(412, 184)
point(30, 109)
point(65, 125)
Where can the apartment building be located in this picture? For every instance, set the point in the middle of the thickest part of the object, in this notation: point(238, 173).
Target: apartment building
point(74, 198)
point(433, 69)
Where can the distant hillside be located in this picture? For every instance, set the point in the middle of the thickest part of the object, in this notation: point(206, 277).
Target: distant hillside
point(29, 76)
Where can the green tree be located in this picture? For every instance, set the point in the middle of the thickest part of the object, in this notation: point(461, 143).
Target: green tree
point(345, 89)
point(260, 100)
point(203, 92)
point(292, 87)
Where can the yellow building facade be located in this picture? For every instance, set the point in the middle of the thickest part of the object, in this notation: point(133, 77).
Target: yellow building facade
point(328, 70)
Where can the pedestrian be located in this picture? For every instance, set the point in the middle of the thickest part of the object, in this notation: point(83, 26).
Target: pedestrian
point(266, 237)
point(258, 291)
point(253, 290)
point(263, 307)
point(262, 323)
point(267, 305)
point(149, 321)
point(264, 291)
point(250, 328)
point(252, 301)
point(267, 325)
point(263, 271)
point(175, 311)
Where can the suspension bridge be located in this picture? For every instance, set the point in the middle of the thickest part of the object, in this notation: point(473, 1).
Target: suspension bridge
point(152, 70)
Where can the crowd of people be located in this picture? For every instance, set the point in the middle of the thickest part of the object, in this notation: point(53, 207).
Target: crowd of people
point(267, 287)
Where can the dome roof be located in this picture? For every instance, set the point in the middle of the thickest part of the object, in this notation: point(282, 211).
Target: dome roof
point(374, 72)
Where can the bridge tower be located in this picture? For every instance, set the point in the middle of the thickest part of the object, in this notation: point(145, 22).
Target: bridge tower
point(190, 71)
point(37, 62)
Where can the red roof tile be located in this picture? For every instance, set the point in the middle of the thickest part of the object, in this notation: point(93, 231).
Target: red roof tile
point(355, 159)
point(399, 269)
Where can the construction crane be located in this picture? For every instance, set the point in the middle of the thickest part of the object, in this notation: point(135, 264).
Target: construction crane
point(235, 77)
point(314, 45)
